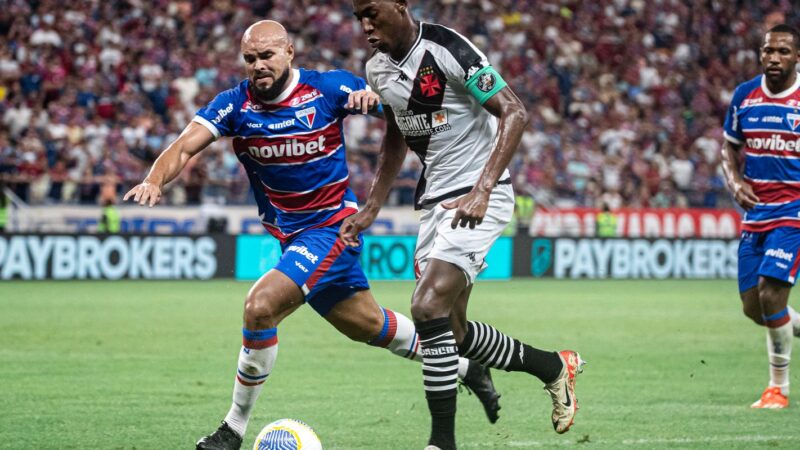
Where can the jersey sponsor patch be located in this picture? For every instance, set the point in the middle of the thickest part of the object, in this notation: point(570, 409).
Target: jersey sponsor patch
point(280, 125)
point(773, 142)
point(222, 113)
point(289, 149)
point(304, 97)
point(424, 124)
point(752, 101)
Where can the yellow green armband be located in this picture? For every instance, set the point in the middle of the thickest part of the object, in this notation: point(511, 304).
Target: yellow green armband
point(485, 83)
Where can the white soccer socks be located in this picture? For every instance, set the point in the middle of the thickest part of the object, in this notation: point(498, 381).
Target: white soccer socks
point(256, 359)
point(400, 337)
point(779, 348)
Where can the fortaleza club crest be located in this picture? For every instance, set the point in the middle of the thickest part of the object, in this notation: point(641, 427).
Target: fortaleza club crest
point(306, 116)
point(793, 119)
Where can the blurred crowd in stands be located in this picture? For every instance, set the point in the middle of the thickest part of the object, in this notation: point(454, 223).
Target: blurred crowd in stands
point(626, 97)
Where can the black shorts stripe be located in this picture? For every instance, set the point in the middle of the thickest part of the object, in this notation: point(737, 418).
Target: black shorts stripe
point(456, 193)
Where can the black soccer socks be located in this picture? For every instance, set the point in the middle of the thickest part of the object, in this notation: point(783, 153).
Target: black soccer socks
point(440, 373)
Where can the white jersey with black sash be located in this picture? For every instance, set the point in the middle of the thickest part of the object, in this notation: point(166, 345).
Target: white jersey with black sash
point(436, 93)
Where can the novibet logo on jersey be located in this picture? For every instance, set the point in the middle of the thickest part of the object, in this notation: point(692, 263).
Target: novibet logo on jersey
point(774, 142)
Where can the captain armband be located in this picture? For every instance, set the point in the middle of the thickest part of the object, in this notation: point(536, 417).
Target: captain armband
point(485, 83)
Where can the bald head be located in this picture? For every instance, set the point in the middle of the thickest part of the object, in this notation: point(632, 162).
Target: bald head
point(266, 31)
point(268, 56)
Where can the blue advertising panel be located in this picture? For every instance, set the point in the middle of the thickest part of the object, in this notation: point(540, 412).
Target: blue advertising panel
point(392, 258)
point(383, 257)
point(255, 255)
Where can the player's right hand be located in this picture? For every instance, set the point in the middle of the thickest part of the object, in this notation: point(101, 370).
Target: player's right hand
point(363, 100)
point(744, 195)
point(353, 225)
point(144, 193)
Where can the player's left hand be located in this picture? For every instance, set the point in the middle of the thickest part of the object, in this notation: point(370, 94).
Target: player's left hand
point(470, 209)
point(363, 100)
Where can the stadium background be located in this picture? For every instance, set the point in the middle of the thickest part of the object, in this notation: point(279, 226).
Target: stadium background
point(626, 99)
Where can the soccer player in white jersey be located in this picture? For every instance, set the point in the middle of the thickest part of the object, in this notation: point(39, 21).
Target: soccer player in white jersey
point(442, 99)
point(299, 207)
point(764, 121)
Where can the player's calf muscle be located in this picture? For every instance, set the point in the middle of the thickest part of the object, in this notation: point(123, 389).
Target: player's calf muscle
point(360, 328)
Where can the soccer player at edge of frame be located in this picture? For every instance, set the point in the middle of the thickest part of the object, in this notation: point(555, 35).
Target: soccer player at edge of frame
point(286, 125)
point(762, 119)
point(442, 99)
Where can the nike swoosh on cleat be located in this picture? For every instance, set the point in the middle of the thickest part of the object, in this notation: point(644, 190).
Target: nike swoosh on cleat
point(568, 403)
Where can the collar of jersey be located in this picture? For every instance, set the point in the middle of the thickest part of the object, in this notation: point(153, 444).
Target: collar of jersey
point(411, 50)
point(785, 93)
point(285, 93)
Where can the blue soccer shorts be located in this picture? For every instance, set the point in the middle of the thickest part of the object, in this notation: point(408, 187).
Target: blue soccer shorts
point(774, 253)
point(325, 269)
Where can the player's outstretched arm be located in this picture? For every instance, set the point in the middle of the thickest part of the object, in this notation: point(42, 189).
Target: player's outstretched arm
point(393, 152)
point(471, 208)
point(741, 189)
point(169, 164)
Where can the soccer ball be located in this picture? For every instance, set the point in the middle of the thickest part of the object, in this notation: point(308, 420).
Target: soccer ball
point(287, 434)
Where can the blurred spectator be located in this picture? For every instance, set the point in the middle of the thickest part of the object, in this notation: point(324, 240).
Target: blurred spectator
point(626, 97)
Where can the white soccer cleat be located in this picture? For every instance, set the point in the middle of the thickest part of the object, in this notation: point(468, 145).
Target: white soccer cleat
point(562, 391)
point(432, 447)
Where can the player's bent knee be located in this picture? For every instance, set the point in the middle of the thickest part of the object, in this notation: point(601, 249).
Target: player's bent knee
point(753, 313)
point(432, 299)
point(260, 310)
point(428, 307)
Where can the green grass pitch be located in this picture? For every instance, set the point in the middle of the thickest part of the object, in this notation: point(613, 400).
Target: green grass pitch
point(150, 365)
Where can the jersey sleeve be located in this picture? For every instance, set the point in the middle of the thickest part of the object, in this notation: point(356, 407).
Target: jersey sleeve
point(371, 82)
point(469, 67)
point(218, 116)
point(340, 83)
point(732, 127)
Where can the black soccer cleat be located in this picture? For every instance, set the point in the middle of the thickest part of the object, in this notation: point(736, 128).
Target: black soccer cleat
point(479, 381)
point(222, 439)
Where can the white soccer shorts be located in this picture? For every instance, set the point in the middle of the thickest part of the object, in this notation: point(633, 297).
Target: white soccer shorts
point(464, 247)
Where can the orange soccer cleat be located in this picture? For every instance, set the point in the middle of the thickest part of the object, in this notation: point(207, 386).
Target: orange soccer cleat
point(772, 398)
point(562, 391)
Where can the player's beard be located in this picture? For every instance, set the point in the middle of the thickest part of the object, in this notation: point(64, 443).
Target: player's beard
point(780, 79)
point(272, 91)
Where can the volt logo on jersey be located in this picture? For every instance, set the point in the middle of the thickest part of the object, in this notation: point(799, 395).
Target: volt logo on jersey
point(793, 119)
point(306, 116)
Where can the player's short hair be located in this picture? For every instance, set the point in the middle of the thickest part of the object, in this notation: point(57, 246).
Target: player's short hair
point(784, 28)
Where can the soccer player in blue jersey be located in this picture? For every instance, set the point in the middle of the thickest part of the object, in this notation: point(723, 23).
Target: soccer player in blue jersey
point(286, 126)
point(763, 122)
